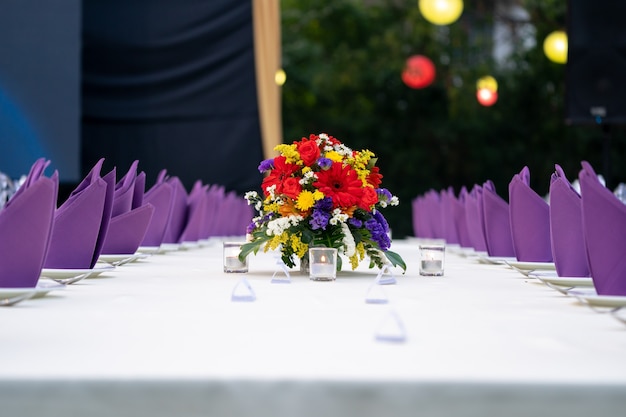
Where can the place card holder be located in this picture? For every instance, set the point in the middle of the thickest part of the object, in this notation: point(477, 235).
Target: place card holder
point(385, 276)
point(376, 294)
point(391, 329)
point(243, 291)
point(281, 275)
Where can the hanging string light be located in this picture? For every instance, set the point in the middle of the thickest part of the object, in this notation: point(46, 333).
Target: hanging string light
point(280, 77)
point(441, 12)
point(555, 47)
point(486, 97)
point(487, 82)
point(419, 72)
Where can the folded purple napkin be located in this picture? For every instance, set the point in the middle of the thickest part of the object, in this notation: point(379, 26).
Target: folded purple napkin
point(450, 233)
point(160, 196)
point(178, 216)
point(233, 216)
point(139, 190)
point(604, 227)
point(127, 231)
point(77, 224)
point(566, 228)
point(458, 212)
point(474, 219)
point(215, 198)
point(25, 226)
point(125, 191)
point(106, 215)
point(196, 213)
point(530, 220)
point(497, 224)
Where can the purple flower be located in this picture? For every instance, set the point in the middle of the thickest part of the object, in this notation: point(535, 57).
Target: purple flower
point(324, 163)
point(325, 204)
point(321, 213)
point(355, 222)
point(378, 232)
point(250, 228)
point(381, 219)
point(266, 165)
point(383, 194)
point(319, 219)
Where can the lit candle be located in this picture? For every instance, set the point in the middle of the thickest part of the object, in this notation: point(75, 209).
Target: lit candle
point(231, 258)
point(431, 263)
point(322, 264)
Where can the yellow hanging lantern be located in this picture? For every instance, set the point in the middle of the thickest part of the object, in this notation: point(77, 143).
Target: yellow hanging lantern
point(441, 12)
point(280, 77)
point(487, 82)
point(555, 47)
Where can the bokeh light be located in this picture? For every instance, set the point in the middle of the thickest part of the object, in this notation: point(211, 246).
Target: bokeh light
point(441, 12)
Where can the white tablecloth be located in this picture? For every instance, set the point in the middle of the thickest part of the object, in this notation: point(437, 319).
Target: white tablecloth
point(161, 337)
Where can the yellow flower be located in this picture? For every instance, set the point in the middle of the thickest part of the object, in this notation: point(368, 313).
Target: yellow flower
point(334, 156)
point(318, 195)
point(276, 241)
point(290, 152)
point(298, 247)
point(306, 199)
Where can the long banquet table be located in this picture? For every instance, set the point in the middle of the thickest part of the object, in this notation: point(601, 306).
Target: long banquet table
point(161, 337)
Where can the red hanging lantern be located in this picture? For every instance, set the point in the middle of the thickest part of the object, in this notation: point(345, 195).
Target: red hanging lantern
point(486, 96)
point(419, 72)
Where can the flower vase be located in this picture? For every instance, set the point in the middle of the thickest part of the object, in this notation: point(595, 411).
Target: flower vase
point(304, 265)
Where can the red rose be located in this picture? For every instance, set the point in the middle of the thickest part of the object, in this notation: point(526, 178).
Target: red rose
point(368, 199)
point(292, 187)
point(309, 152)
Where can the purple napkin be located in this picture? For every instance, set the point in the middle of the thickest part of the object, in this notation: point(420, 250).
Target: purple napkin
point(450, 233)
point(124, 192)
point(196, 213)
point(474, 219)
point(530, 220)
point(232, 217)
point(160, 196)
point(106, 215)
point(604, 227)
point(127, 230)
point(25, 226)
point(77, 224)
point(178, 216)
point(497, 224)
point(458, 211)
point(214, 198)
point(566, 228)
point(139, 190)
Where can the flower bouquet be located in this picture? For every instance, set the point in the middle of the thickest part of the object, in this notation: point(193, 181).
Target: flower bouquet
point(319, 192)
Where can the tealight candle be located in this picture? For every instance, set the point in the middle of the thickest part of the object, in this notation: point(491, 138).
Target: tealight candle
point(431, 260)
point(322, 264)
point(231, 258)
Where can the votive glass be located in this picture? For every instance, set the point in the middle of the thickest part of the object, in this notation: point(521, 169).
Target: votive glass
point(231, 258)
point(432, 258)
point(322, 264)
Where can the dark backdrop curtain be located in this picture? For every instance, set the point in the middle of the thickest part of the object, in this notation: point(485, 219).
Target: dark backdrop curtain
point(172, 84)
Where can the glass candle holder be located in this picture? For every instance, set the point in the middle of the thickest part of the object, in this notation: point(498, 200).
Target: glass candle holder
point(322, 264)
point(231, 258)
point(432, 259)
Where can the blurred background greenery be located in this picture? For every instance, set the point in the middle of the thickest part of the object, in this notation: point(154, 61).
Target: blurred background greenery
point(344, 59)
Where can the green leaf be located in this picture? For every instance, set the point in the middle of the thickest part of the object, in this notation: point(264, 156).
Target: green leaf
point(396, 260)
point(248, 248)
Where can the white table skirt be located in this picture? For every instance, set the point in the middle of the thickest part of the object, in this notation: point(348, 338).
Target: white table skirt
point(161, 337)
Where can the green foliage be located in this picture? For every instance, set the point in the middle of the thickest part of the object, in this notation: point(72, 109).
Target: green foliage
point(343, 60)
